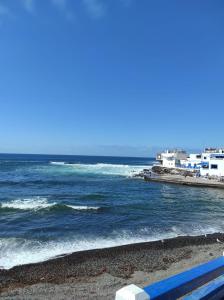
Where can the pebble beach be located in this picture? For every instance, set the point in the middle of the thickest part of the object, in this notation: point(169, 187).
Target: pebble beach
point(97, 274)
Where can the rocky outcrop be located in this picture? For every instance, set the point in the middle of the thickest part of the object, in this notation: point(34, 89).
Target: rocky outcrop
point(173, 171)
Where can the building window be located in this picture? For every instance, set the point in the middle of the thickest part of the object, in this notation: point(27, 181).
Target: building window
point(214, 166)
point(205, 166)
point(205, 157)
point(198, 156)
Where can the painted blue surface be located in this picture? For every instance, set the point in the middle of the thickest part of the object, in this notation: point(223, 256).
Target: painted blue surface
point(189, 166)
point(212, 290)
point(183, 283)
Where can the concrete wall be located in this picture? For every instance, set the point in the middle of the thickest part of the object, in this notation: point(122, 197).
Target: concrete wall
point(169, 159)
point(169, 163)
point(211, 171)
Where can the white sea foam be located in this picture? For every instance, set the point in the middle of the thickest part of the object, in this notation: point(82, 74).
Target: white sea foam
point(104, 169)
point(17, 251)
point(83, 207)
point(34, 203)
point(37, 203)
point(57, 163)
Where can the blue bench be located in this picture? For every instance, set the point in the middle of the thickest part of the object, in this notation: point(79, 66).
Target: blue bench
point(213, 290)
point(182, 284)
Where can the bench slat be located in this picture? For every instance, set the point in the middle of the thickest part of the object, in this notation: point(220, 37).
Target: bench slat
point(183, 283)
point(212, 290)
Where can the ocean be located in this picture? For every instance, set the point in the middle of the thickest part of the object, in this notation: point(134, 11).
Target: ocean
point(51, 205)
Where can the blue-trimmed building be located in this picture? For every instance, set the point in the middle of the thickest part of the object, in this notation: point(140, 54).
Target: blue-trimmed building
point(208, 163)
point(212, 162)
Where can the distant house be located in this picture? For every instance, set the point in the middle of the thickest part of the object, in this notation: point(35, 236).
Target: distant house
point(171, 158)
point(212, 162)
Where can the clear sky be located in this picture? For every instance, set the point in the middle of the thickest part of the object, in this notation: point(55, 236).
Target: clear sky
point(121, 77)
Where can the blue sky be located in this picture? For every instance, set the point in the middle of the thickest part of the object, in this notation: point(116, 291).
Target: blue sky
point(111, 77)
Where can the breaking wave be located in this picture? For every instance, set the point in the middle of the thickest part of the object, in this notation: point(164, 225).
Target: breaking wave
point(19, 251)
point(83, 207)
point(58, 163)
point(104, 169)
point(28, 204)
point(37, 203)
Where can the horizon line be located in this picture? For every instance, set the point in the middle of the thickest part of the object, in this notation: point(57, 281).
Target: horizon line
point(89, 155)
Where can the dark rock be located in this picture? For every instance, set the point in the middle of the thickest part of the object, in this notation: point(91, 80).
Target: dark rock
point(173, 171)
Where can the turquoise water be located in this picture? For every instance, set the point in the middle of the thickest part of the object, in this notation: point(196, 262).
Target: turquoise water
point(52, 205)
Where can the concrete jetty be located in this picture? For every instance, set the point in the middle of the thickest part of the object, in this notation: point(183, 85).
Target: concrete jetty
point(189, 181)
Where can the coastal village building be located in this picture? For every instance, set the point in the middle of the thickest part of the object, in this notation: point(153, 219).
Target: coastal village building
point(212, 162)
point(171, 158)
point(208, 163)
point(192, 161)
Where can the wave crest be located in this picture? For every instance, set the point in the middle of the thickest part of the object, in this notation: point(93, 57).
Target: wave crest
point(28, 204)
point(18, 251)
point(104, 168)
point(83, 207)
point(38, 203)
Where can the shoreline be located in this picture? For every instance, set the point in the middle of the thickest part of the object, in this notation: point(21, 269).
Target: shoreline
point(180, 176)
point(121, 264)
point(187, 181)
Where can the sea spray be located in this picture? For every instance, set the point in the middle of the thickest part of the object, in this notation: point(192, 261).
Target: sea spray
point(103, 169)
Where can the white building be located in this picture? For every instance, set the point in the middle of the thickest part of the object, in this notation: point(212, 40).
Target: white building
point(209, 163)
point(171, 158)
point(193, 161)
point(212, 162)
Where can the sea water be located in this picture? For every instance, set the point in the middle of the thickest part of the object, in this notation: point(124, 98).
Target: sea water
point(52, 205)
